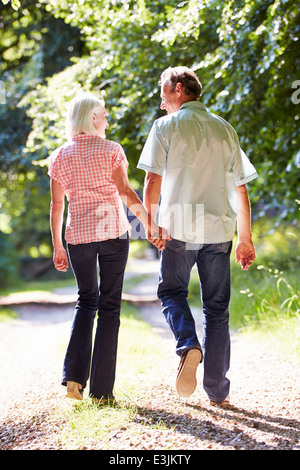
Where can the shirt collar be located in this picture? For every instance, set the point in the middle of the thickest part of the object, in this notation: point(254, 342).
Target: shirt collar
point(194, 104)
point(84, 136)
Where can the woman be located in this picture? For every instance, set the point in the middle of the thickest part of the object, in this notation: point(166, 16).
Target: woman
point(92, 173)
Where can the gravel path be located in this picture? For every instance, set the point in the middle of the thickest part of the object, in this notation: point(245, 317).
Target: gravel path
point(265, 393)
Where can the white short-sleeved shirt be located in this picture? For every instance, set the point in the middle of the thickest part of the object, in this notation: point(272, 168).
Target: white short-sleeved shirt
point(84, 168)
point(200, 160)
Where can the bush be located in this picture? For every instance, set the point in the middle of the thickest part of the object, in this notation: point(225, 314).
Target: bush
point(270, 288)
point(8, 261)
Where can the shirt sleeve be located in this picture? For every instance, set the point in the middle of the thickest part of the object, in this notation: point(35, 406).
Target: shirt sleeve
point(54, 166)
point(119, 157)
point(243, 170)
point(154, 154)
point(247, 171)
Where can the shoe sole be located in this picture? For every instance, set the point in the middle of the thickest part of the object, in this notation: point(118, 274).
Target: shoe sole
point(186, 382)
point(225, 403)
point(221, 404)
point(74, 396)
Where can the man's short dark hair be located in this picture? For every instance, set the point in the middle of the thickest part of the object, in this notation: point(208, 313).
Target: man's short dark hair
point(189, 80)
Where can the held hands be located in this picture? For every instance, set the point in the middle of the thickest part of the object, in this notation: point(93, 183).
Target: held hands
point(157, 235)
point(245, 253)
point(60, 259)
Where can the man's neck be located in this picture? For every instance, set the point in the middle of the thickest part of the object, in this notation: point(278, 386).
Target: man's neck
point(186, 99)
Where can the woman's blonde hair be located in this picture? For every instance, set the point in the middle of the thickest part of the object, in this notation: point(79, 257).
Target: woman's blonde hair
point(80, 114)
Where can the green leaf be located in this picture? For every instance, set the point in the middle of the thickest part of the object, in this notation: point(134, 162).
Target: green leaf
point(15, 4)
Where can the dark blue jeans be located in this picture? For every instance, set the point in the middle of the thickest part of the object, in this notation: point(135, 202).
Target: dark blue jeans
point(213, 263)
point(83, 359)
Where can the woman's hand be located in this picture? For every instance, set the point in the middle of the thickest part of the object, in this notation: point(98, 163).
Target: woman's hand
point(157, 235)
point(60, 259)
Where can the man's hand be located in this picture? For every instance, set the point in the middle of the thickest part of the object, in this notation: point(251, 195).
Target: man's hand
point(158, 236)
point(60, 259)
point(245, 253)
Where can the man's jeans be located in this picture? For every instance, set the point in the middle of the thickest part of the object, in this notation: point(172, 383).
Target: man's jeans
point(213, 263)
point(111, 257)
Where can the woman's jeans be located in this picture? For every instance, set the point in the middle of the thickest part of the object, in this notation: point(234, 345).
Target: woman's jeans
point(82, 360)
point(213, 263)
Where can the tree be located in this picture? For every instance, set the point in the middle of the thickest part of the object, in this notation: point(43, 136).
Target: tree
point(28, 56)
point(244, 52)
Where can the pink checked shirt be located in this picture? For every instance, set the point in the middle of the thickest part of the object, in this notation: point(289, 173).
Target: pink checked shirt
point(84, 169)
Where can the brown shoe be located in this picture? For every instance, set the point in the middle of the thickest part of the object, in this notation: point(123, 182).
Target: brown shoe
point(223, 404)
point(74, 390)
point(186, 381)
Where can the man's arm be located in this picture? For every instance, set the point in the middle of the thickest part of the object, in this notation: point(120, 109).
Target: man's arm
point(152, 189)
point(60, 257)
point(245, 251)
point(132, 201)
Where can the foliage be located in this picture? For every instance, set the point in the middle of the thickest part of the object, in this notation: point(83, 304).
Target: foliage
point(245, 54)
point(8, 260)
point(14, 3)
point(29, 53)
point(265, 302)
point(26, 60)
point(284, 299)
point(268, 293)
point(272, 310)
point(7, 314)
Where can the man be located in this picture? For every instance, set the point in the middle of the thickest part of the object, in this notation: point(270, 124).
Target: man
point(197, 171)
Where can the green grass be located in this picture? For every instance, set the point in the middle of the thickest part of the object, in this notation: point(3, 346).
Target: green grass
point(265, 303)
point(50, 286)
point(7, 314)
point(138, 366)
point(86, 422)
point(37, 285)
point(265, 300)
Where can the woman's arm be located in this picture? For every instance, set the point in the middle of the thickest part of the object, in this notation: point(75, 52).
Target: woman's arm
point(133, 202)
point(60, 257)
